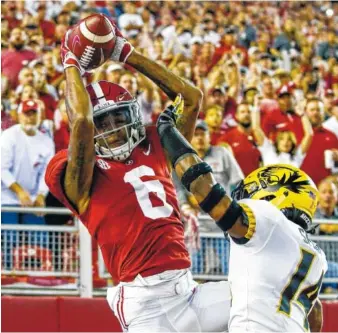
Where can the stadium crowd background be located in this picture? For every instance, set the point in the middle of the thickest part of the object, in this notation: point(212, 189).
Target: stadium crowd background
point(268, 70)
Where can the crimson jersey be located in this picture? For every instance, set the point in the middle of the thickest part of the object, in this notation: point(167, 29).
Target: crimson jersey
point(244, 147)
point(133, 211)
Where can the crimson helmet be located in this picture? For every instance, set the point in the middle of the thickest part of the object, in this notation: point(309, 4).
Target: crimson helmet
point(118, 121)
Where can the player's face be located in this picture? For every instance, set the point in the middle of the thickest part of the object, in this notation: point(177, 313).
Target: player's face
point(112, 128)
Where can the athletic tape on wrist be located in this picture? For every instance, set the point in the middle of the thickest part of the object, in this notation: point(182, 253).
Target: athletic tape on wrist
point(227, 221)
point(173, 142)
point(194, 172)
point(216, 194)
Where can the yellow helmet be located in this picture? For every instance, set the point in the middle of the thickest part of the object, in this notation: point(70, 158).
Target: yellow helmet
point(290, 189)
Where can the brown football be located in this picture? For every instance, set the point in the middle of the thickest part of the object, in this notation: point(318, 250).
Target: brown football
point(92, 40)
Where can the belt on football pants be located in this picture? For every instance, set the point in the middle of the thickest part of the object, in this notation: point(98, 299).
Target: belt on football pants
point(167, 288)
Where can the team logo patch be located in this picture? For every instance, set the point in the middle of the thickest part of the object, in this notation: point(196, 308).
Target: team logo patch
point(103, 164)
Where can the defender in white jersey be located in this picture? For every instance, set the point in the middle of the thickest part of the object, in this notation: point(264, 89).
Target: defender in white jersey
point(274, 276)
point(275, 270)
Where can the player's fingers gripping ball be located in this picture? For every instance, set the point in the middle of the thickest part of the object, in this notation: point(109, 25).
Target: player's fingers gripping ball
point(93, 40)
point(122, 48)
point(67, 57)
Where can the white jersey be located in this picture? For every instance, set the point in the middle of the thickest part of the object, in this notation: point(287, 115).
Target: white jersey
point(24, 160)
point(276, 275)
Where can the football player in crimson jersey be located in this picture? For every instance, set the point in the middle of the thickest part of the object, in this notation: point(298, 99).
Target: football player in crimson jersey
point(116, 179)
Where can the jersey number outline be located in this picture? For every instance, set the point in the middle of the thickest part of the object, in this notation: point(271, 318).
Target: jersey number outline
point(307, 295)
point(143, 190)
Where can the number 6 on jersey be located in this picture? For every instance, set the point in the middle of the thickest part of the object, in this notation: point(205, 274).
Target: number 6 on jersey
point(143, 189)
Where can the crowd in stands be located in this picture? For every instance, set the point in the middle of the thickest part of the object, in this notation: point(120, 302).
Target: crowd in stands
point(268, 71)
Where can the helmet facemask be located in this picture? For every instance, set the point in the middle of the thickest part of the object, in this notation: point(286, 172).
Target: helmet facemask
point(118, 130)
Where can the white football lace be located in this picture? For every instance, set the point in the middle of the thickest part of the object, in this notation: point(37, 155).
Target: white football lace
point(87, 56)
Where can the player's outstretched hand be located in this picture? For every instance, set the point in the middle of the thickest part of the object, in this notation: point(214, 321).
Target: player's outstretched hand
point(122, 48)
point(67, 57)
point(172, 112)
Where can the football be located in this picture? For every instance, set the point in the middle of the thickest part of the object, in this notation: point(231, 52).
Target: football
point(92, 40)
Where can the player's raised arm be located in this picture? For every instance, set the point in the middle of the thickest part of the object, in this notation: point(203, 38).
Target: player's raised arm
point(170, 83)
point(196, 176)
point(81, 153)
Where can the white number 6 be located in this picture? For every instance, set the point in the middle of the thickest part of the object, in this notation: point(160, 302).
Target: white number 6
point(142, 190)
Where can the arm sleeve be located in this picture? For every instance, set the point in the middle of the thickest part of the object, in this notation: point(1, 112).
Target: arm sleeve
point(7, 160)
point(43, 188)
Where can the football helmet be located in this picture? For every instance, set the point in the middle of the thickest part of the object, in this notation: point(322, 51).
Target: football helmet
point(290, 189)
point(118, 121)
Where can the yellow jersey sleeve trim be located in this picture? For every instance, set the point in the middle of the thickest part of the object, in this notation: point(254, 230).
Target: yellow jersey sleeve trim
point(251, 221)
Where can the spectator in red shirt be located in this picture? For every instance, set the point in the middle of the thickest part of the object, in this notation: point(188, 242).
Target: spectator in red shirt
point(242, 141)
point(48, 99)
point(269, 98)
point(283, 118)
point(219, 96)
point(47, 27)
point(62, 133)
point(54, 76)
point(214, 118)
point(16, 57)
point(323, 139)
point(229, 44)
point(10, 15)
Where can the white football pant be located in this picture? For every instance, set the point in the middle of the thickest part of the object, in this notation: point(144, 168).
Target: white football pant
point(171, 302)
